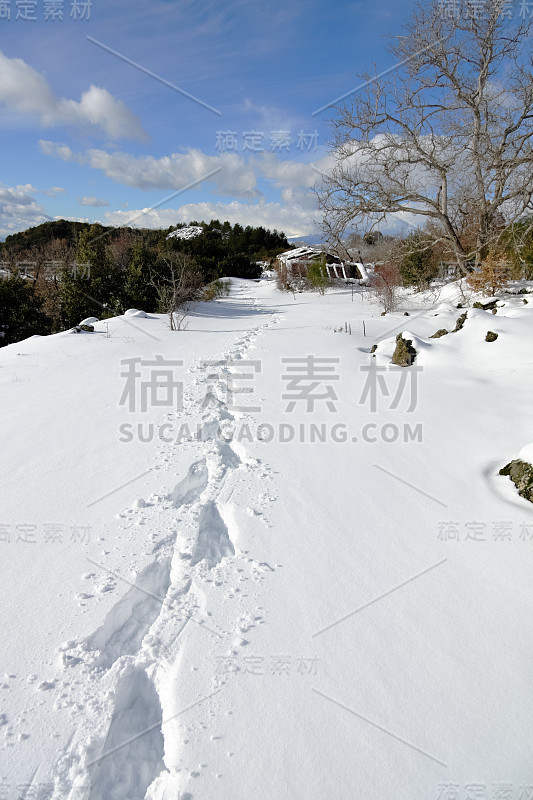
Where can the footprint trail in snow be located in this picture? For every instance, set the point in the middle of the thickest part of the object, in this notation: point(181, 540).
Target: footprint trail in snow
point(198, 593)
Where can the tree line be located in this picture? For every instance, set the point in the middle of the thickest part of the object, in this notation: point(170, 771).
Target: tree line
point(56, 274)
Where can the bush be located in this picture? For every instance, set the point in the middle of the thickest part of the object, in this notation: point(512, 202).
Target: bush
point(494, 274)
point(418, 266)
point(385, 285)
point(317, 274)
point(215, 289)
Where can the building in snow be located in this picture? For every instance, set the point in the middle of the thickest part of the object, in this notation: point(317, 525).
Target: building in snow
point(293, 265)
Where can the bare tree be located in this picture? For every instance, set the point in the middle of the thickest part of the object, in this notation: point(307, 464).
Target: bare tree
point(120, 249)
point(385, 286)
point(447, 137)
point(180, 284)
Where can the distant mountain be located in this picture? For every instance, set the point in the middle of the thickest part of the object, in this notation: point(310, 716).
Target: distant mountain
point(301, 241)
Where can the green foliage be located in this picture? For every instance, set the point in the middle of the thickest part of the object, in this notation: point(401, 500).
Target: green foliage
point(418, 266)
point(92, 285)
point(238, 266)
point(41, 235)
point(215, 289)
point(21, 311)
point(138, 291)
point(517, 242)
point(317, 274)
point(226, 251)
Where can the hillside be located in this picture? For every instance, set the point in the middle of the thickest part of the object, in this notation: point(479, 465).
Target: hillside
point(55, 274)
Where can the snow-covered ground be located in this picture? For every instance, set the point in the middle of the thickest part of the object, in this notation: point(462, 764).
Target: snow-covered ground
point(316, 588)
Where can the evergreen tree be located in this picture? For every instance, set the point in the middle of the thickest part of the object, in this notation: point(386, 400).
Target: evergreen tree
point(418, 266)
point(21, 311)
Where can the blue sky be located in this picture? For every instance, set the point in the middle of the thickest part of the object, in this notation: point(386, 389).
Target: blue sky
point(87, 135)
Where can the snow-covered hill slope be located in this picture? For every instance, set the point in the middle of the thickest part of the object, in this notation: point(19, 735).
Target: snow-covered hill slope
point(189, 232)
point(280, 568)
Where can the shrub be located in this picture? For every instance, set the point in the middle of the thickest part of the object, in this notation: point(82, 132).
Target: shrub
point(385, 285)
point(494, 274)
point(317, 274)
point(215, 289)
point(418, 266)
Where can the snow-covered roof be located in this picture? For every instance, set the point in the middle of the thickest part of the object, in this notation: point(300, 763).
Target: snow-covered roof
point(299, 252)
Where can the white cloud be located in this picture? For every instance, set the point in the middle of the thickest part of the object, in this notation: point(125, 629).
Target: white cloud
point(18, 209)
point(271, 118)
point(61, 151)
point(53, 191)
point(92, 201)
point(293, 174)
point(74, 219)
point(26, 91)
point(295, 212)
point(235, 178)
point(294, 220)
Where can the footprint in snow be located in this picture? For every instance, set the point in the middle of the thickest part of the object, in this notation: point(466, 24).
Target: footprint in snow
point(46, 686)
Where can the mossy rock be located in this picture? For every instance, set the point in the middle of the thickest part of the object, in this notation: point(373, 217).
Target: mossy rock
point(439, 333)
point(525, 301)
point(460, 322)
point(87, 328)
point(491, 336)
point(521, 474)
point(404, 354)
point(373, 348)
point(487, 305)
